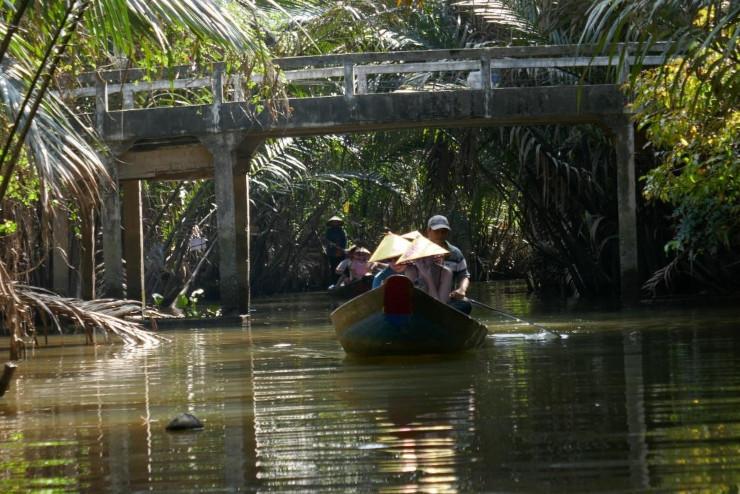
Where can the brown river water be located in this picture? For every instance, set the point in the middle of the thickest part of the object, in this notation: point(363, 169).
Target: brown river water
point(646, 399)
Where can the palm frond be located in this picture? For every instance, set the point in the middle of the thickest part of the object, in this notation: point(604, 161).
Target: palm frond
point(123, 22)
point(62, 154)
point(277, 164)
point(105, 314)
point(695, 28)
point(662, 277)
point(506, 15)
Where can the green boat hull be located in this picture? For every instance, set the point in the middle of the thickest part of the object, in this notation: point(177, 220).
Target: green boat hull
point(364, 328)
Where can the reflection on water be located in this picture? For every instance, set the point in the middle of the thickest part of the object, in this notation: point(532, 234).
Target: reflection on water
point(634, 400)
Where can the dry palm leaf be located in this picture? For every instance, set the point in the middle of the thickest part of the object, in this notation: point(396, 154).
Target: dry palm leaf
point(106, 314)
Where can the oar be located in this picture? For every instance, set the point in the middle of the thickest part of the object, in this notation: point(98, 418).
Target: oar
point(512, 316)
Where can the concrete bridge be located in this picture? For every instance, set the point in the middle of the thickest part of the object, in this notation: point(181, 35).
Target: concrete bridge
point(330, 94)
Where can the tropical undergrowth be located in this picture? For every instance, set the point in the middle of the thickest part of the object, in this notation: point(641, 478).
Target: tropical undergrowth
point(50, 162)
point(687, 111)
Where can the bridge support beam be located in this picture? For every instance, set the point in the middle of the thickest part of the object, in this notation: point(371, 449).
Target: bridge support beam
point(87, 253)
point(244, 231)
point(110, 223)
point(133, 240)
point(60, 254)
point(624, 140)
point(231, 154)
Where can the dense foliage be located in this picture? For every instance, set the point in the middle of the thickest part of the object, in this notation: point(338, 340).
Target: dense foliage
point(697, 133)
point(688, 110)
point(537, 202)
point(49, 162)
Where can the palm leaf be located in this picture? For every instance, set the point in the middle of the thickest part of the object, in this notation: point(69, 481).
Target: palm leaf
point(106, 314)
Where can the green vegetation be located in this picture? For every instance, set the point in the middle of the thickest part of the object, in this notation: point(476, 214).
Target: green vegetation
point(44, 155)
point(688, 110)
point(698, 132)
point(533, 202)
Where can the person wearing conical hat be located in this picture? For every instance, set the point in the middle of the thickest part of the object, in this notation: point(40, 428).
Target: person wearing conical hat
point(335, 240)
point(433, 277)
point(411, 235)
point(389, 250)
point(438, 230)
point(415, 261)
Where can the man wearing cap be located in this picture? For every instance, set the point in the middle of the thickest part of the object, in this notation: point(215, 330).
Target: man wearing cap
point(438, 229)
point(336, 241)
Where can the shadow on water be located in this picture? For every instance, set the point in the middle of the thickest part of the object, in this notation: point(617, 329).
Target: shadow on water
point(633, 400)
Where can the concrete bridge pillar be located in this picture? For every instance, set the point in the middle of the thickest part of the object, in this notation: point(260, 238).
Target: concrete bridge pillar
point(133, 240)
point(87, 253)
point(110, 223)
point(60, 254)
point(244, 231)
point(231, 153)
point(624, 139)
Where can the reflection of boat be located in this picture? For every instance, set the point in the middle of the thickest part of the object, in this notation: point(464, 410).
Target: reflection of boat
point(440, 384)
point(397, 318)
point(352, 289)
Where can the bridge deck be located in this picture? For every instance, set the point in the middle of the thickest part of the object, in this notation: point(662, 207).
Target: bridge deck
point(339, 94)
point(373, 112)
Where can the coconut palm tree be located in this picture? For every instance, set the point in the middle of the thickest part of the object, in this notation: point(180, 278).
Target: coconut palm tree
point(45, 156)
point(698, 91)
point(687, 111)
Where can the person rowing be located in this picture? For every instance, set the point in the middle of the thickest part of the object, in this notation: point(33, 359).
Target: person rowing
point(438, 229)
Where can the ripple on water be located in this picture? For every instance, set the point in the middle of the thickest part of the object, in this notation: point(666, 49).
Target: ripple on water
point(631, 401)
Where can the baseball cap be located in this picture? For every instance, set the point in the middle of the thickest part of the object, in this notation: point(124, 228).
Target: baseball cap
point(438, 221)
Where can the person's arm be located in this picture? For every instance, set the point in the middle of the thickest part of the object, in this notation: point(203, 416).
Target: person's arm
point(461, 273)
point(461, 291)
point(342, 266)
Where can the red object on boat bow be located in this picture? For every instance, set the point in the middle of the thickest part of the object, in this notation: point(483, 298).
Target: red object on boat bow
point(398, 296)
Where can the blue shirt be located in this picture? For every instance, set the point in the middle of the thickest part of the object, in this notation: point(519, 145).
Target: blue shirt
point(379, 278)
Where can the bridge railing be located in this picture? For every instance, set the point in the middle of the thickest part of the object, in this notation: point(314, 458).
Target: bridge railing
point(363, 73)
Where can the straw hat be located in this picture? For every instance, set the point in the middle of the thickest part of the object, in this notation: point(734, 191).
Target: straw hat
point(361, 250)
point(335, 218)
point(391, 246)
point(420, 248)
point(411, 235)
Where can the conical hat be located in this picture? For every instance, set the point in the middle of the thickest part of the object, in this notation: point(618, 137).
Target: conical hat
point(411, 235)
point(391, 246)
point(420, 248)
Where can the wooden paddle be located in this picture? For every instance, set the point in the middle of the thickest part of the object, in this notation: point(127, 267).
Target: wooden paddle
point(512, 316)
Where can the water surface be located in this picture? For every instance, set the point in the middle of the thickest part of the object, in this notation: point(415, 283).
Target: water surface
point(647, 399)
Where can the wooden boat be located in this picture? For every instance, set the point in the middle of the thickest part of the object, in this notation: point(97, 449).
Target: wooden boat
point(352, 289)
point(397, 318)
